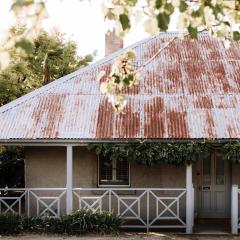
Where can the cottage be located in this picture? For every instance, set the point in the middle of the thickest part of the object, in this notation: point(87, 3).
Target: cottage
point(189, 91)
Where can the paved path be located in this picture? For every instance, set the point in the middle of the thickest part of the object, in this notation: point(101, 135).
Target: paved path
point(127, 236)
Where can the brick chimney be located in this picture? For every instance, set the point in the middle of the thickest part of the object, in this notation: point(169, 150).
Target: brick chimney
point(112, 42)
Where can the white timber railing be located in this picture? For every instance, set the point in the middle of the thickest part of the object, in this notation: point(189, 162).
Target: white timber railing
point(32, 201)
point(235, 218)
point(138, 207)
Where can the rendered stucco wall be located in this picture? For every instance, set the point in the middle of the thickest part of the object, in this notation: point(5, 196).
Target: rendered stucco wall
point(46, 167)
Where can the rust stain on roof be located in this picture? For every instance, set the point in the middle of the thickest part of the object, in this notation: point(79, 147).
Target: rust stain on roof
point(203, 102)
point(105, 121)
point(174, 120)
point(209, 128)
point(191, 90)
point(155, 110)
point(127, 124)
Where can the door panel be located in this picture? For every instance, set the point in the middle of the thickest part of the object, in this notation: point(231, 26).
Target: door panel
point(214, 187)
point(220, 201)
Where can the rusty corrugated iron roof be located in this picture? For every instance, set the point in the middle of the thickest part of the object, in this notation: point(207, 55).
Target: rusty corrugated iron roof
point(191, 90)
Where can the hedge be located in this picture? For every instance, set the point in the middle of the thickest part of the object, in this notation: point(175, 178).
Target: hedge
point(79, 222)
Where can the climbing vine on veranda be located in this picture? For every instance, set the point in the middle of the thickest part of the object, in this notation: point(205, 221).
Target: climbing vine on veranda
point(149, 153)
point(175, 153)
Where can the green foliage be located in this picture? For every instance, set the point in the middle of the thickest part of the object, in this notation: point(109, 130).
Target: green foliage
point(153, 153)
point(177, 154)
point(163, 21)
point(236, 35)
point(79, 222)
point(231, 151)
point(10, 224)
point(183, 6)
point(49, 57)
point(43, 225)
point(25, 44)
point(192, 31)
point(85, 221)
point(217, 17)
point(124, 21)
point(122, 75)
point(11, 167)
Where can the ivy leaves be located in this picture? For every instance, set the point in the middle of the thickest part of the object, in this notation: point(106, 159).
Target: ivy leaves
point(178, 154)
point(232, 151)
point(146, 153)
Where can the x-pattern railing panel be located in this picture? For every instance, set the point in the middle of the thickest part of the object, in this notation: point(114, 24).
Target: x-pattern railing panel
point(32, 201)
point(167, 207)
point(146, 206)
point(7, 207)
point(93, 203)
point(136, 200)
point(134, 204)
point(47, 205)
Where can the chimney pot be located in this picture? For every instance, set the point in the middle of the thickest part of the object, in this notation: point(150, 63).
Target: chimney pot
point(112, 43)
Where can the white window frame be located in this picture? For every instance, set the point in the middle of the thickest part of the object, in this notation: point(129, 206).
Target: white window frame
point(113, 185)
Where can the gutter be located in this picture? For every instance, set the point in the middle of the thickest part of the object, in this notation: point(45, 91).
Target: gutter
point(84, 142)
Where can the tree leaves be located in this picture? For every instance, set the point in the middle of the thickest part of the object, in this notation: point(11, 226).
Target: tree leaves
point(163, 21)
point(183, 6)
point(125, 22)
point(220, 18)
point(236, 36)
point(123, 75)
point(193, 32)
point(25, 44)
point(44, 59)
point(158, 4)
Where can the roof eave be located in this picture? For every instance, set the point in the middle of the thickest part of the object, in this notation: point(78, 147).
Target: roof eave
point(84, 142)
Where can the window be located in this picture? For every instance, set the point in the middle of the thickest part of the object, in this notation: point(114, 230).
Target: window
point(115, 172)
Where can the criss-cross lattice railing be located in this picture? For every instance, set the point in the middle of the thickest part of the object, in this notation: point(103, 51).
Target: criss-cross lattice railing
point(32, 201)
point(138, 207)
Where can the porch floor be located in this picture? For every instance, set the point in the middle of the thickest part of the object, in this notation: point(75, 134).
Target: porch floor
point(212, 226)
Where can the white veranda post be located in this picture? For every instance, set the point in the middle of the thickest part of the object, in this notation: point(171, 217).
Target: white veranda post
point(189, 200)
point(69, 185)
point(234, 209)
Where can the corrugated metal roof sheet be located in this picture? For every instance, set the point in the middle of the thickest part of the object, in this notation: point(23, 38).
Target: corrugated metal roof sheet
point(191, 90)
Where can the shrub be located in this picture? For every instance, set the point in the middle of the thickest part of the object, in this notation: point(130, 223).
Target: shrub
point(107, 222)
point(10, 224)
point(45, 224)
point(84, 221)
point(79, 222)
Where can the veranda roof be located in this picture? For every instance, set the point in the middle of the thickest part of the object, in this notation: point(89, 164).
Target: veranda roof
point(191, 90)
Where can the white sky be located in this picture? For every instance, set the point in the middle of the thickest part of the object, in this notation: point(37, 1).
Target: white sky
point(81, 21)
